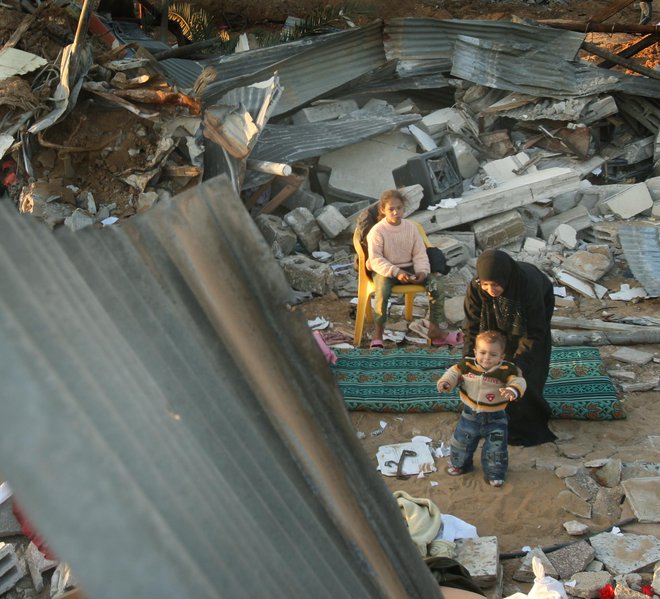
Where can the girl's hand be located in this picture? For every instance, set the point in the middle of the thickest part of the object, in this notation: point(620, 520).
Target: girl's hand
point(418, 279)
point(444, 387)
point(403, 277)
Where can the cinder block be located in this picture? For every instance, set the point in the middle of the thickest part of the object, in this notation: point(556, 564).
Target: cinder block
point(10, 570)
point(331, 221)
point(305, 274)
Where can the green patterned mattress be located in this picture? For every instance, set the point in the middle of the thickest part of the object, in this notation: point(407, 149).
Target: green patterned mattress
point(404, 380)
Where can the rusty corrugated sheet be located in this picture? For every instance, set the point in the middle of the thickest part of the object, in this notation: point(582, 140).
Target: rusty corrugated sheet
point(316, 68)
point(159, 396)
point(512, 67)
point(425, 46)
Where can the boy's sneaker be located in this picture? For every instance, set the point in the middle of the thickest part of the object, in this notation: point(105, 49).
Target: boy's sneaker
point(453, 471)
point(496, 483)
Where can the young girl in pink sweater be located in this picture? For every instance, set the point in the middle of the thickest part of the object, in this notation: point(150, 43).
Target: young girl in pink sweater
point(397, 254)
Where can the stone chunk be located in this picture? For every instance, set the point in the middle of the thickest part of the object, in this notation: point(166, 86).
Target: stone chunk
point(572, 558)
point(607, 474)
point(575, 528)
point(625, 553)
point(642, 495)
point(588, 584)
point(305, 274)
point(303, 223)
point(621, 591)
point(326, 111)
point(480, 557)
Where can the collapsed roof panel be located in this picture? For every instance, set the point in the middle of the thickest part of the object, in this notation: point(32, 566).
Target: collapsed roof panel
point(427, 45)
point(514, 67)
point(314, 69)
point(288, 143)
point(641, 246)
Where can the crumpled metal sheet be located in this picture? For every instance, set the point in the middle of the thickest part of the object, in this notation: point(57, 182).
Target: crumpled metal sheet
point(160, 396)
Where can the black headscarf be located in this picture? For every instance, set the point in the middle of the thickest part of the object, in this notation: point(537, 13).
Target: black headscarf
point(507, 312)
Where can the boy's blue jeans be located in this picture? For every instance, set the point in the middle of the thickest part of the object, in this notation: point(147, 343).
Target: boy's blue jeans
point(492, 428)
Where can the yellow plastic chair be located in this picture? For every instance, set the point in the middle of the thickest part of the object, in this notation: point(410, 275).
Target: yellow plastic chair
point(366, 290)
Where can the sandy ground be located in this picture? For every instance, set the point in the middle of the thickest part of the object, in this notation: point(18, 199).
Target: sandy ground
point(525, 511)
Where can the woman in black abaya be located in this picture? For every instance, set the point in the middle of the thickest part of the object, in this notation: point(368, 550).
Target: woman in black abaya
point(517, 299)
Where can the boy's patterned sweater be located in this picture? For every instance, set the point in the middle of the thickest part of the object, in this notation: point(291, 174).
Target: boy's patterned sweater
point(478, 388)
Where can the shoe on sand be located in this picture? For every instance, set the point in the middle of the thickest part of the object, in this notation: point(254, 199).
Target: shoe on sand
point(453, 471)
point(496, 483)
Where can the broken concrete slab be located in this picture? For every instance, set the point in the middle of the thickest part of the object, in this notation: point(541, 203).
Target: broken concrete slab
point(331, 221)
point(606, 472)
point(626, 204)
point(577, 217)
point(517, 192)
point(582, 485)
point(481, 558)
point(642, 494)
point(362, 171)
point(564, 234)
point(324, 111)
point(573, 504)
point(624, 553)
point(632, 356)
point(278, 235)
point(588, 265)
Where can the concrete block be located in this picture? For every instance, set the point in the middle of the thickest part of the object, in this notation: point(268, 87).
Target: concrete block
point(326, 111)
point(499, 230)
point(302, 198)
point(577, 217)
point(443, 120)
point(533, 246)
point(305, 274)
point(278, 235)
point(628, 203)
point(331, 221)
point(303, 223)
point(10, 569)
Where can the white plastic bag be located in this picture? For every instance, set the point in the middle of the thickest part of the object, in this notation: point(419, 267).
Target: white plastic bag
point(545, 587)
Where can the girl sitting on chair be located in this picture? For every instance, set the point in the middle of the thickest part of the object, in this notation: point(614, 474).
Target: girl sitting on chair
point(397, 255)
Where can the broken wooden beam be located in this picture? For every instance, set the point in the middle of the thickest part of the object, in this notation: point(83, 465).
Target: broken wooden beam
point(586, 27)
point(625, 62)
point(646, 42)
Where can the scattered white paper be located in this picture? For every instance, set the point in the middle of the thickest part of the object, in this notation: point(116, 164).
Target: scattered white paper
point(447, 203)
point(627, 293)
point(454, 528)
point(616, 531)
point(526, 549)
point(434, 483)
point(388, 457)
point(110, 220)
point(559, 291)
point(443, 451)
point(421, 439)
point(570, 583)
point(361, 435)
point(421, 475)
point(318, 324)
point(321, 256)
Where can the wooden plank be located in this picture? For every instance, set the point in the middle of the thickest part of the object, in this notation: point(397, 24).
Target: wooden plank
point(629, 64)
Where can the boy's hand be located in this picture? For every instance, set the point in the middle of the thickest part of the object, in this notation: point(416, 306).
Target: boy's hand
point(444, 387)
point(508, 394)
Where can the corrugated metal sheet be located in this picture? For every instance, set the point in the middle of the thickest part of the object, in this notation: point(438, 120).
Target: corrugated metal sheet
point(288, 143)
point(641, 246)
point(182, 72)
point(427, 45)
point(507, 66)
point(159, 396)
point(314, 70)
